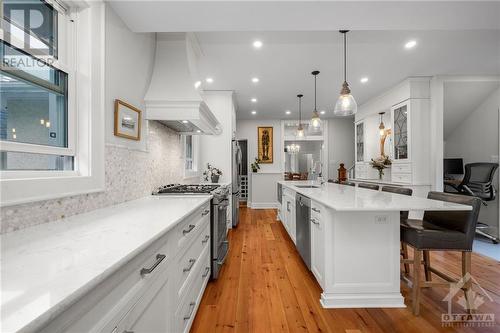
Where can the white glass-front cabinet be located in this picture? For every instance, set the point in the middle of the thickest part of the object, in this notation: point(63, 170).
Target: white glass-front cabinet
point(400, 115)
point(360, 141)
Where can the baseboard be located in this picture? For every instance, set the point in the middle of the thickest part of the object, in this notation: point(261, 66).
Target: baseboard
point(263, 205)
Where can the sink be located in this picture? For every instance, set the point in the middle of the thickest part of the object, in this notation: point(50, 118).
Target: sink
point(307, 186)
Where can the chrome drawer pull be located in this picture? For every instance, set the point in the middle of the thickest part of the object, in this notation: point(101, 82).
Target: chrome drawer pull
point(191, 264)
point(159, 259)
point(191, 309)
point(205, 212)
point(207, 237)
point(188, 230)
point(128, 331)
point(314, 221)
point(316, 210)
point(207, 270)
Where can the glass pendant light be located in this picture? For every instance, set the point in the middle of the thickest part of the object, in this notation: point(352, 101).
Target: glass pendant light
point(315, 123)
point(300, 129)
point(381, 127)
point(346, 104)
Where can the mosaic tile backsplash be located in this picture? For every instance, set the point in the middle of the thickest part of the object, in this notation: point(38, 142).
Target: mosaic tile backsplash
point(130, 174)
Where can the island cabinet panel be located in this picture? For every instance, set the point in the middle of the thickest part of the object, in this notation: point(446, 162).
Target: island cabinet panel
point(289, 213)
point(153, 292)
point(318, 220)
point(362, 263)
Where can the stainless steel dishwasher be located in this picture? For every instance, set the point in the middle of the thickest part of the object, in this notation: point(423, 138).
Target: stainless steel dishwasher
point(303, 227)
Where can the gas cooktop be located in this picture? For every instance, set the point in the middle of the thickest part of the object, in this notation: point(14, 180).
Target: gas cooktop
point(186, 189)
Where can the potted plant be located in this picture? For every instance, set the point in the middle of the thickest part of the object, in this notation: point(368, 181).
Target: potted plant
point(212, 173)
point(381, 163)
point(255, 165)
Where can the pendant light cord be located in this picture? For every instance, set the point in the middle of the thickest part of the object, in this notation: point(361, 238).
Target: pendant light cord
point(315, 76)
point(345, 57)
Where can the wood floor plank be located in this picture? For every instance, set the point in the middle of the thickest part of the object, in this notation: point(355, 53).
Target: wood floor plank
point(265, 287)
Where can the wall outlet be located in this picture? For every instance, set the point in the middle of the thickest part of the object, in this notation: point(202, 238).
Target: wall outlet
point(381, 219)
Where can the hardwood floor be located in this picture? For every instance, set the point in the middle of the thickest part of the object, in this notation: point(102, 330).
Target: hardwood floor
point(265, 287)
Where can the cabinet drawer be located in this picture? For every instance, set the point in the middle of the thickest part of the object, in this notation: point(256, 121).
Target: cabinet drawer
point(317, 210)
point(404, 178)
point(401, 168)
point(189, 261)
point(186, 311)
point(187, 229)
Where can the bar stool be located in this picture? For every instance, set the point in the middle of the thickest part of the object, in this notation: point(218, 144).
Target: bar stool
point(441, 231)
point(369, 186)
point(403, 216)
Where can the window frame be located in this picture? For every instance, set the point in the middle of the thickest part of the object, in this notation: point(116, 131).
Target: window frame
point(83, 61)
point(65, 62)
point(195, 171)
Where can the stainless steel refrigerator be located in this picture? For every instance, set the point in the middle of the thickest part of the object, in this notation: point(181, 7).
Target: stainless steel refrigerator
point(236, 182)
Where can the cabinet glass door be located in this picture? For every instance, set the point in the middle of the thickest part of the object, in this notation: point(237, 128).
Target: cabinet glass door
point(401, 133)
point(360, 145)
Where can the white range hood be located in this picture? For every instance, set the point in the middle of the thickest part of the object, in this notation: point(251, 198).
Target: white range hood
point(173, 97)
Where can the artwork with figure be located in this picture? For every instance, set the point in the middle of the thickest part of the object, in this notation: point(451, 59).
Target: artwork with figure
point(265, 144)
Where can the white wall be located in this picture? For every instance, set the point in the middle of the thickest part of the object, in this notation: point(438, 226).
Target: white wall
point(247, 129)
point(217, 149)
point(476, 140)
point(340, 144)
point(129, 64)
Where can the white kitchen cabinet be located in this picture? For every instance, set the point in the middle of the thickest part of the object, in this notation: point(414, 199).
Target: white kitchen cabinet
point(288, 213)
point(318, 242)
point(411, 142)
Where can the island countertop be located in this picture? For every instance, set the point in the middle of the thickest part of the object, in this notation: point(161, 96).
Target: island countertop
point(349, 198)
point(48, 267)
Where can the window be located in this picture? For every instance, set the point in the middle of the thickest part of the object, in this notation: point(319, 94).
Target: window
point(191, 156)
point(51, 134)
point(34, 94)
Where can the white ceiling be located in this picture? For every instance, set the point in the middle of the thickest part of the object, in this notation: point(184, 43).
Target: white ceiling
point(285, 61)
point(462, 98)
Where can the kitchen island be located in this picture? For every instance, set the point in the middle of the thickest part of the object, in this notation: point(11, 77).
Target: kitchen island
point(354, 239)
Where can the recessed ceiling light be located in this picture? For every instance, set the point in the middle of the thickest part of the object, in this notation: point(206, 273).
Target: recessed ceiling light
point(209, 80)
point(185, 121)
point(198, 131)
point(197, 84)
point(322, 112)
point(254, 112)
point(364, 79)
point(255, 79)
point(257, 44)
point(254, 100)
point(410, 44)
point(288, 111)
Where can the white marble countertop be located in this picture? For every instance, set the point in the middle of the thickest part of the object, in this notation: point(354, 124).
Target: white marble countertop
point(48, 267)
point(349, 198)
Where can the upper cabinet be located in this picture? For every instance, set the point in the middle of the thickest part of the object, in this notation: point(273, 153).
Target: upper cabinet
point(360, 141)
point(400, 115)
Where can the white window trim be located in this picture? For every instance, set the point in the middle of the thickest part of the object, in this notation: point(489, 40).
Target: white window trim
point(196, 157)
point(18, 187)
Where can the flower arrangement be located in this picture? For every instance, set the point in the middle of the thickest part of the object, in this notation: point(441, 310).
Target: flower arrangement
point(212, 173)
point(255, 165)
point(381, 163)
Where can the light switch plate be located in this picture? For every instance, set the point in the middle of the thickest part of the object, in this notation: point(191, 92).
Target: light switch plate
point(381, 219)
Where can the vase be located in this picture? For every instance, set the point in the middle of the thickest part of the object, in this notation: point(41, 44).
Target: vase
point(215, 178)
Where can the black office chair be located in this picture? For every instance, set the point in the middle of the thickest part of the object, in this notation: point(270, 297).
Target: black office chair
point(478, 182)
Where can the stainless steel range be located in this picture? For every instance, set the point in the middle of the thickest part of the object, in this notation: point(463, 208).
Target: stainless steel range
point(219, 245)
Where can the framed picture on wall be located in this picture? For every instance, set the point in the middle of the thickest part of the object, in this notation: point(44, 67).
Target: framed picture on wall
point(127, 120)
point(265, 144)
